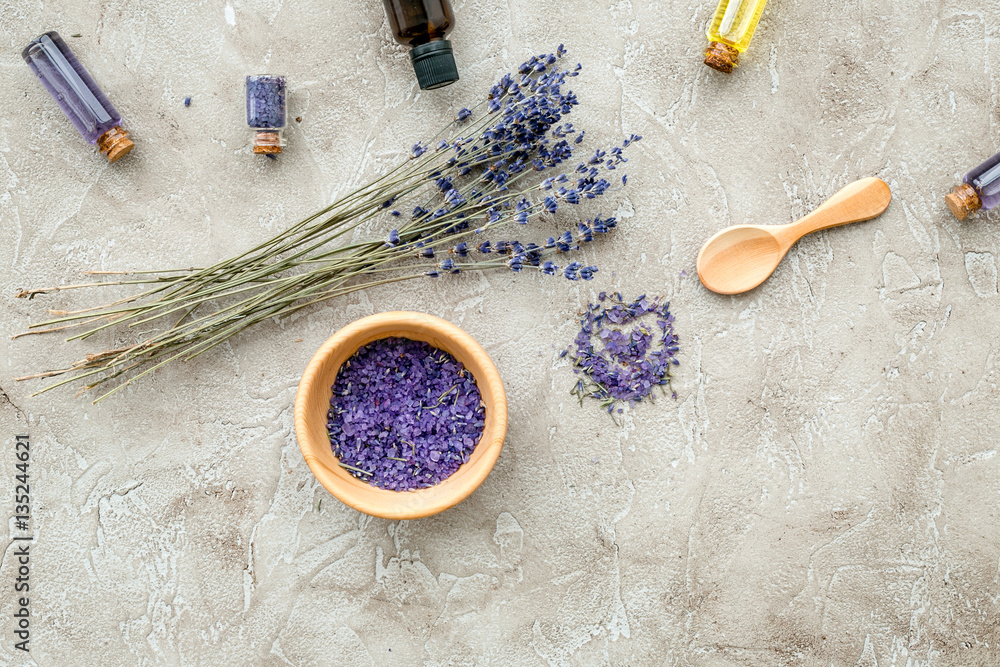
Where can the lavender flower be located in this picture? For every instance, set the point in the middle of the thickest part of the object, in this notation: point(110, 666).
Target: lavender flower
point(618, 354)
point(513, 164)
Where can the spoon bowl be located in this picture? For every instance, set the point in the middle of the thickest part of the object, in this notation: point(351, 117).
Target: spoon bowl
point(740, 258)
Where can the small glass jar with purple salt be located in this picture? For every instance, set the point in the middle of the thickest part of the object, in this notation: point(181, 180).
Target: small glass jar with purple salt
point(266, 112)
point(404, 415)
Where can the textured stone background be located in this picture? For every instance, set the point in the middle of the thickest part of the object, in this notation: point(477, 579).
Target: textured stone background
point(824, 491)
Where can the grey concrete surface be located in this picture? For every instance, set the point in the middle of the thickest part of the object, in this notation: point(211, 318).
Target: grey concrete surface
point(825, 490)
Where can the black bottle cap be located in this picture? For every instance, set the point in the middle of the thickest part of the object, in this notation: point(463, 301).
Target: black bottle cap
point(434, 64)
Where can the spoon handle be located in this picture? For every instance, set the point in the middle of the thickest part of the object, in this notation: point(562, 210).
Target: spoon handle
point(861, 200)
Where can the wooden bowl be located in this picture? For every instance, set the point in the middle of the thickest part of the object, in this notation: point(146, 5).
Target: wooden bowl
point(312, 402)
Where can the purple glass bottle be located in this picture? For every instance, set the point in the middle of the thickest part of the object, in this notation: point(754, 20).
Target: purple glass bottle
point(77, 94)
point(979, 189)
point(266, 112)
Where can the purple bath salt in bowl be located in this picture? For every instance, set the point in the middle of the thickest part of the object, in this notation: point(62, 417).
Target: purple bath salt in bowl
point(404, 415)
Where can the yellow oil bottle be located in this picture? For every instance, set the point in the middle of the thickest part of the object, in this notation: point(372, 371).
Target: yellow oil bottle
point(730, 32)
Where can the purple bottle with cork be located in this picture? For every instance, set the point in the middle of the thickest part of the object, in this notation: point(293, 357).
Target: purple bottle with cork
point(266, 112)
point(77, 94)
point(979, 189)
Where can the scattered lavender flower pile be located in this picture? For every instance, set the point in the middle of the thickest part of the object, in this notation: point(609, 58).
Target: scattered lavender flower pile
point(631, 357)
point(404, 415)
point(452, 205)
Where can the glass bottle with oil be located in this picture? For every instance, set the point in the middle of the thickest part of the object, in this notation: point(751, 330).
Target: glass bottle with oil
point(980, 188)
point(423, 25)
point(730, 32)
point(77, 94)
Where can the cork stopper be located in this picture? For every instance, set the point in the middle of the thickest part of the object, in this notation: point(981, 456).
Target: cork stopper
point(721, 57)
point(115, 143)
point(267, 142)
point(963, 200)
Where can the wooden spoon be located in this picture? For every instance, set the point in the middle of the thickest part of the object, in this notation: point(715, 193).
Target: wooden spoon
point(739, 258)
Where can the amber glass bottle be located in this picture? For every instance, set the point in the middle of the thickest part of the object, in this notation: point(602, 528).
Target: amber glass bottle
point(423, 25)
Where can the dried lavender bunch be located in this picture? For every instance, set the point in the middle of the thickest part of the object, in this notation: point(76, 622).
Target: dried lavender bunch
point(509, 165)
point(631, 358)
